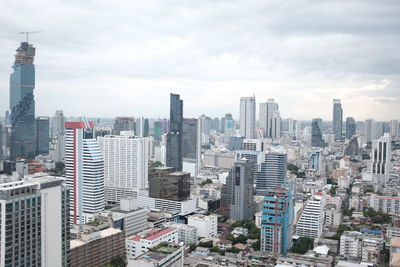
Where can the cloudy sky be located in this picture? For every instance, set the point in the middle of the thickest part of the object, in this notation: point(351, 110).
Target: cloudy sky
point(108, 58)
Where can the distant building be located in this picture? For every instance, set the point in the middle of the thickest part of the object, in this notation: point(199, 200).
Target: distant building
point(352, 147)
point(337, 120)
point(123, 124)
point(174, 137)
point(316, 133)
point(272, 172)
point(381, 159)
point(42, 135)
point(369, 130)
point(394, 128)
point(165, 183)
point(350, 127)
point(189, 139)
point(247, 117)
point(270, 120)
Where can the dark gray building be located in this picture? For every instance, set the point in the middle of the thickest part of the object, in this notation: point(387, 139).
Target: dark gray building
point(123, 124)
point(174, 137)
point(350, 127)
point(272, 172)
point(42, 135)
point(316, 133)
point(337, 120)
point(22, 103)
point(237, 193)
point(352, 147)
point(165, 183)
point(189, 139)
point(1, 138)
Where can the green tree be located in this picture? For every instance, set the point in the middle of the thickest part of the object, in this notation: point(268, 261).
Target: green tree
point(256, 245)
point(348, 212)
point(303, 245)
point(240, 239)
point(156, 164)
point(208, 181)
point(207, 244)
point(192, 247)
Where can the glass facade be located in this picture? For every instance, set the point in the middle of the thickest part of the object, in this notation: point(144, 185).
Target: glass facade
point(174, 137)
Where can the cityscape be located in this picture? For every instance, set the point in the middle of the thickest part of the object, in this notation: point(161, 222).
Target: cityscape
point(257, 185)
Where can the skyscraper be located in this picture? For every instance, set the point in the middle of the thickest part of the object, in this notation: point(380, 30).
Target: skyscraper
point(337, 120)
point(58, 124)
point(22, 103)
point(157, 132)
point(381, 159)
point(125, 165)
point(35, 223)
point(290, 126)
point(277, 221)
point(124, 124)
point(42, 135)
point(270, 120)
point(248, 117)
point(189, 139)
point(394, 128)
point(272, 172)
point(142, 127)
point(174, 137)
point(316, 133)
point(237, 193)
point(84, 169)
point(369, 129)
point(350, 127)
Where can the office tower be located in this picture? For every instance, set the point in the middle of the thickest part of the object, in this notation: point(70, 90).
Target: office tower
point(189, 139)
point(58, 124)
point(142, 127)
point(222, 125)
point(84, 166)
point(381, 159)
point(123, 124)
point(1, 138)
point(206, 124)
point(316, 133)
point(174, 137)
point(311, 220)
point(290, 126)
point(237, 193)
point(157, 131)
point(7, 117)
point(165, 183)
point(337, 120)
point(125, 165)
point(247, 117)
point(394, 128)
point(277, 221)
point(229, 126)
point(369, 129)
point(35, 223)
point(268, 117)
point(378, 130)
point(272, 172)
point(352, 147)
point(298, 130)
point(215, 125)
point(22, 103)
point(42, 135)
point(315, 161)
point(165, 126)
point(350, 127)
point(235, 143)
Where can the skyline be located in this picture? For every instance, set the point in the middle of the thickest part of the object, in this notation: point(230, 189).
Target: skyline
point(191, 51)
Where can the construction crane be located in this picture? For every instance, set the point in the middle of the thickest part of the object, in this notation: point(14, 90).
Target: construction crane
point(27, 34)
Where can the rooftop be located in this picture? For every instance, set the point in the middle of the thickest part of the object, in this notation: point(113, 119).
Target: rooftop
point(152, 234)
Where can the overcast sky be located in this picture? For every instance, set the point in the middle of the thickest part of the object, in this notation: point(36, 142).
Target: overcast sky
point(112, 58)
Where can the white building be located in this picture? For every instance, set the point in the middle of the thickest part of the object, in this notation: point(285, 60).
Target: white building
point(333, 217)
point(186, 233)
point(142, 242)
point(351, 245)
point(183, 208)
point(84, 167)
point(344, 182)
point(311, 221)
point(170, 255)
point(206, 225)
point(269, 117)
point(394, 128)
point(247, 117)
point(253, 144)
point(381, 159)
point(126, 160)
point(385, 204)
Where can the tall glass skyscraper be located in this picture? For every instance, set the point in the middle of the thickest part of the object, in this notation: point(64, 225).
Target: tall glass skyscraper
point(174, 137)
point(337, 121)
point(350, 127)
point(22, 103)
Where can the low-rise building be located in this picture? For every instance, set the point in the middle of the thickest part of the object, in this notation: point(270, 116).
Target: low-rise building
point(295, 260)
point(206, 225)
point(356, 246)
point(164, 254)
point(186, 233)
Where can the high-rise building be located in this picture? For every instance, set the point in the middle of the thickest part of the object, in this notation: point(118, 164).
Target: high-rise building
point(352, 147)
point(311, 220)
point(277, 221)
point(290, 126)
point(42, 135)
point(270, 120)
point(142, 127)
point(165, 183)
point(272, 172)
point(22, 103)
point(124, 124)
point(58, 124)
point(379, 129)
point(174, 137)
point(215, 125)
point(157, 131)
point(125, 165)
point(394, 128)
point(189, 139)
point(316, 133)
point(1, 138)
point(381, 159)
point(237, 193)
point(337, 120)
point(248, 117)
point(369, 129)
point(350, 127)
point(84, 169)
point(34, 223)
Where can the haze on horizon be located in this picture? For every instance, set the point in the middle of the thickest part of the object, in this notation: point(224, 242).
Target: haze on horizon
point(123, 58)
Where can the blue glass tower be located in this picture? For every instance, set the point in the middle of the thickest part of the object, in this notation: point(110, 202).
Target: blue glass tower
point(22, 103)
point(174, 137)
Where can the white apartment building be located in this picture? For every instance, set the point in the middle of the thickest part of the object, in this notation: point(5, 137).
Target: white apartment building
point(126, 160)
point(84, 167)
point(351, 245)
point(333, 217)
point(247, 117)
point(337, 201)
point(372, 249)
point(206, 225)
point(186, 233)
point(142, 242)
point(385, 204)
point(311, 221)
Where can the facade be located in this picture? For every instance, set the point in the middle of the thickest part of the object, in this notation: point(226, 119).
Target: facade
point(96, 248)
point(129, 218)
point(22, 103)
point(269, 118)
point(218, 160)
point(369, 130)
point(41, 206)
point(123, 124)
point(277, 221)
point(167, 184)
point(316, 133)
point(189, 139)
point(182, 208)
point(352, 147)
point(351, 245)
point(350, 127)
point(125, 165)
point(394, 128)
point(381, 159)
point(272, 172)
point(311, 220)
point(247, 117)
point(387, 204)
point(186, 233)
point(337, 120)
point(42, 135)
point(58, 124)
point(174, 137)
point(206, 225)
point(237, 193)
point(142, 242)
point(84, 167)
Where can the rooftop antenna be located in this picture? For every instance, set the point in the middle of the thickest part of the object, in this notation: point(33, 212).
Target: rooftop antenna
point(27, 34)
